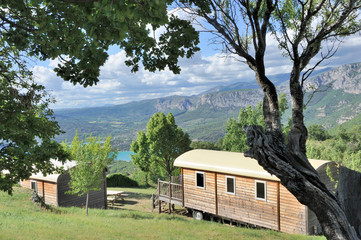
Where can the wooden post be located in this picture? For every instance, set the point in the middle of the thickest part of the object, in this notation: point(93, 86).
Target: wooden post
point(153, 202)
point(105, 188)
point(159, 202)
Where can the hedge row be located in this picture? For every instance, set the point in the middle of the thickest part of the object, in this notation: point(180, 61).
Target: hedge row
point(120, 180)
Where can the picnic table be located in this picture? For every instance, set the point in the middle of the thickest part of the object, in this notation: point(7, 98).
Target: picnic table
point(113, 196)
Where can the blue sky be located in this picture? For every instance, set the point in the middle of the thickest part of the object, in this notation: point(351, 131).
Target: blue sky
point(208, 68)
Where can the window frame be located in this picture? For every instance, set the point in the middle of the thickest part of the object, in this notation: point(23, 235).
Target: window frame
point(234, 185)
point(265, 190)
point(36, 185)
point(204, 179)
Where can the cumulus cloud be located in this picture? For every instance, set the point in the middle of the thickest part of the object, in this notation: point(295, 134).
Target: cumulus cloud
point(47, 77)
point(118, 85)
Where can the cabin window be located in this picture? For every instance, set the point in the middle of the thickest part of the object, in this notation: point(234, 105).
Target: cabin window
point(34, 186)
point(200, 179)
point(231, 183)
point(261, 190)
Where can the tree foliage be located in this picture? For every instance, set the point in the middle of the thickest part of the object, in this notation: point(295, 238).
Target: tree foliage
point(92, 157)
point(317, 132)
point(162, 143)
point(79, 33)
point(235, 139)
point(343, 148)
point(120, 180)
point(27, 125)
point(204, 145)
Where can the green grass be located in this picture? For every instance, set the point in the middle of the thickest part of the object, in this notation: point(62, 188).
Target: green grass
point(21, 219)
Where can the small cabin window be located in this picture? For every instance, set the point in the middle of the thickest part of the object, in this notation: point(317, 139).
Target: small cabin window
point(261, 191)
point(34, 186)
point(200, 179)
point(231, 183)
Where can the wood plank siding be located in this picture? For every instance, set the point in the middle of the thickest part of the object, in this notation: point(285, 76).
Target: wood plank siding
point(49, 194)
point(293, 217)
point(237, 188)
point(46, 190)
point(198, 198)
point(243, 205)
point(54, 193)
point(97, 199)
point(278, 212)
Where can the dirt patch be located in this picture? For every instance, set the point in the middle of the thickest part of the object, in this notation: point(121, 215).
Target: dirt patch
point(142, 202)
point(134, 201)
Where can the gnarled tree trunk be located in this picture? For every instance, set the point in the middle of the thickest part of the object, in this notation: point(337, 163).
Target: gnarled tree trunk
point(301, 179)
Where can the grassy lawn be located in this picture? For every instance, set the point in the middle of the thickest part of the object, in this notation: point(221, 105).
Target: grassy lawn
point(21, 219)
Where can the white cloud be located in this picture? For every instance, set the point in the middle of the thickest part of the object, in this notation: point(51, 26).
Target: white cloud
point(118, 85)
point(47, 77)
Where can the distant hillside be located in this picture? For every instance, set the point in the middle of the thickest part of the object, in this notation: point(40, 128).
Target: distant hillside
point(339, 98)
point(203, 116)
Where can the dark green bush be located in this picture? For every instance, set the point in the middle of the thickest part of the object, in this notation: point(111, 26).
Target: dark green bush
point(119, 180)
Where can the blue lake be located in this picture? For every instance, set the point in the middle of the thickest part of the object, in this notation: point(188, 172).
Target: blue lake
point(124, 156)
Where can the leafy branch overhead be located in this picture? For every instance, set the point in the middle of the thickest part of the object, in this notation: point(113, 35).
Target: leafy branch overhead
point(27, 125)
point(81, 32)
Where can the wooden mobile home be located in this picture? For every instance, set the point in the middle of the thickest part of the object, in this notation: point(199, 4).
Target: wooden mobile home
point(233, 187)
point(53, 187)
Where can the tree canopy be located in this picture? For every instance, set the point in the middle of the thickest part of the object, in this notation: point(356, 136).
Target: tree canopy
point(317, 132)
point(162, 143)
point(27, 125)
point(79, 33)
point(204, 145)
point(235, 139)
point(344, 147)
point(91, 157)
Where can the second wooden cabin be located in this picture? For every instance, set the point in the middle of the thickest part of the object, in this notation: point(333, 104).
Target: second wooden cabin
point(53, 189)
point(237, 188)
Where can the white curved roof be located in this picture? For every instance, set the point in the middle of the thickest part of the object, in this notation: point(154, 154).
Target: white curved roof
point(53, 177)
point(229, 163)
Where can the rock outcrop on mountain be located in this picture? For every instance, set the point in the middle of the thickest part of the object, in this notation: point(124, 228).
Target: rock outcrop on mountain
point(346, 78)
point(337, 100)
point(216, 100)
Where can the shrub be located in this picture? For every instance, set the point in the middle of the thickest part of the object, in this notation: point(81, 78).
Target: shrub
point(119, 180)
point(141, 178)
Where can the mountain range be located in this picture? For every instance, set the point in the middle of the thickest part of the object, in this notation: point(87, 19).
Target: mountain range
point(333, 97)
